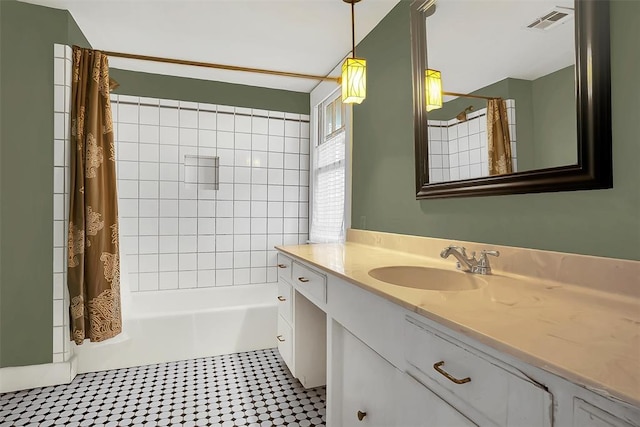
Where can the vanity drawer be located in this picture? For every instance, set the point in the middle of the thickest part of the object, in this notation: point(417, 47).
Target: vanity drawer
point(284, 267)
point(285, 342)
point(285, 297)
point(310, 283)
point(491, 388)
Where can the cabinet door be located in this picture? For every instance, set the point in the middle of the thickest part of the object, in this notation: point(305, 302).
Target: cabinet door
point(285, 301)
point(422, 407)
point(285, 343)
point(369, 386)
point(284, 267)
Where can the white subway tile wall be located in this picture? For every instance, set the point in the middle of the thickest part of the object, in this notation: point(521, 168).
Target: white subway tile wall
point(458, 150)
point(176, 231)
point(61, 110)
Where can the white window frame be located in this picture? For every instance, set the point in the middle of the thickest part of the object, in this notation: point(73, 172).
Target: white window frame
point(320, 94)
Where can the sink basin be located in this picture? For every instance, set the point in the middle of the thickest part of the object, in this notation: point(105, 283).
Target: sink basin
point(426, 278)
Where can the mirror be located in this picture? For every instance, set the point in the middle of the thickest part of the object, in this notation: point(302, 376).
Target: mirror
point(546, 63)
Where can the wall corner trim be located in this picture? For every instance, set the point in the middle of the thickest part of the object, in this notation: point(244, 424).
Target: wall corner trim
point(27, 377)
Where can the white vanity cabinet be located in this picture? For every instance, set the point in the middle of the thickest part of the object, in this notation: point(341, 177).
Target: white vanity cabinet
point(389, 367)
point(368, 386)
point(376, 393)
point(491, 392)
point(285, 311)
point(422, 407)
point(301, 324)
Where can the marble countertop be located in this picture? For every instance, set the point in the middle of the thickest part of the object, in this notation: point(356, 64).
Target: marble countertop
point(589, 336)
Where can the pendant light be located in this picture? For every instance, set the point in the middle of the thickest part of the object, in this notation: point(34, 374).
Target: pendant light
point(433, 89)
point(354, 70)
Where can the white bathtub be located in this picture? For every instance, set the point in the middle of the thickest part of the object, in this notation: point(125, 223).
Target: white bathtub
point(185, 324)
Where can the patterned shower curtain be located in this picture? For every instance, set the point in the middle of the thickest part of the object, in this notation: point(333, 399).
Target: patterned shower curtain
point(93, 254)
point(499, 140)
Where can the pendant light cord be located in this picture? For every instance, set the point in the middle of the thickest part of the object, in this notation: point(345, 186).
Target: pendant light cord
point(353, 28)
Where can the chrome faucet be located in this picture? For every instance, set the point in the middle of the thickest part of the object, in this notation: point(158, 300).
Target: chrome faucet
point(461, 255)
point(470, 264)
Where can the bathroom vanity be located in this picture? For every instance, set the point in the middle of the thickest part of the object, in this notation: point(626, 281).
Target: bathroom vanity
point(525, 346)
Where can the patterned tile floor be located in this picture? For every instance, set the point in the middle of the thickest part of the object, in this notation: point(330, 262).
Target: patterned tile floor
point(243, 389)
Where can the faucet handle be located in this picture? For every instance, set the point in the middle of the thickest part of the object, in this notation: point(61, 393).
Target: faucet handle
point(483, 254)
point(483, 266)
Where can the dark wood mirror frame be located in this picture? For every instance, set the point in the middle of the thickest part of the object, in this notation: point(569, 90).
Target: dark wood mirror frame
point(593, 108)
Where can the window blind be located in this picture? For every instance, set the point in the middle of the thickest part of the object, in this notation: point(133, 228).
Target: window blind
point(327, 223)
point(327, 216)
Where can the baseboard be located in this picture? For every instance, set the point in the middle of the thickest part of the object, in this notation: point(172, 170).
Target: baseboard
point(33, 376)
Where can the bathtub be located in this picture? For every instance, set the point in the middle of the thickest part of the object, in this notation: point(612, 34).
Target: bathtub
point(184, 324)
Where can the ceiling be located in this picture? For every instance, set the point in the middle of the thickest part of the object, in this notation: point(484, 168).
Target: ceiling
point(475, 43)
point(303, 36)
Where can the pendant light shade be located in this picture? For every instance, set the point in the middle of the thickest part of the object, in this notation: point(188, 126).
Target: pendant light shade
point(354, 80)
point(433, 89)
point(354, 70)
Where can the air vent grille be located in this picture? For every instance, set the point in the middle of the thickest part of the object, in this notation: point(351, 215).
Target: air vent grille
point(557, 16)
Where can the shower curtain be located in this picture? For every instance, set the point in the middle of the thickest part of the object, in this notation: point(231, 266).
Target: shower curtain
point(93, 248)
point(499, 140)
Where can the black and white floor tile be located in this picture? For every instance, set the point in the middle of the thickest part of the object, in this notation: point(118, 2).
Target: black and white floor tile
point(243, 389)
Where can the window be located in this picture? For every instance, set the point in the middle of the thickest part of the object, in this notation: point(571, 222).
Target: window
point(328, 173)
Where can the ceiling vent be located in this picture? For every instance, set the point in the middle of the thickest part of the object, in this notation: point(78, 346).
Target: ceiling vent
point(557, 16)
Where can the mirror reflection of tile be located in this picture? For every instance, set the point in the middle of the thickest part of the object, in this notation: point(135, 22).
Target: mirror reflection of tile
point(458, 148)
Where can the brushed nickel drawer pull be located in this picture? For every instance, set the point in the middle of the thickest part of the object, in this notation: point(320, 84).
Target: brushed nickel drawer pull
point(437, 367)
point(361, 415)
point(303, 279)
point(279, 337)
point(282, 265)
point(281, 298)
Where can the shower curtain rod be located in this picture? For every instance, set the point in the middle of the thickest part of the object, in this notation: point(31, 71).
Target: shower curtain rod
point(466, 95)
point(219, 66)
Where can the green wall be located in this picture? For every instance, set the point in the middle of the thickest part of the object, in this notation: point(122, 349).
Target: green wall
point(28, 33)
point(186, 89)
point(599, 222)
point(554, 119)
